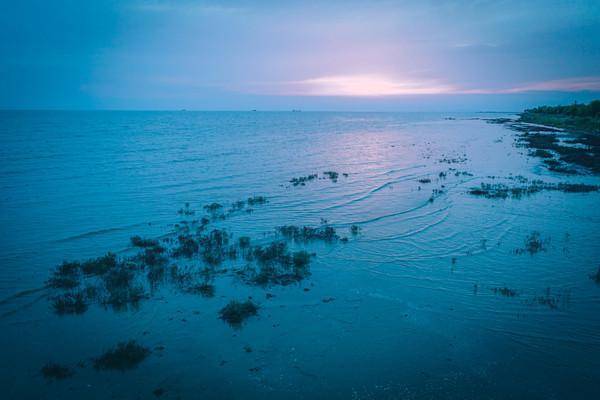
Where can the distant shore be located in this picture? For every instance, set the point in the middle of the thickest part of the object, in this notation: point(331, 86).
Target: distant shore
point(577, 117)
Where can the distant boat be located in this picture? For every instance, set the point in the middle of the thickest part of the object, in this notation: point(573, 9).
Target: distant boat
point(294, 110)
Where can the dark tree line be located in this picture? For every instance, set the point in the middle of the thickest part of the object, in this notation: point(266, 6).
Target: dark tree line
point(576, 110)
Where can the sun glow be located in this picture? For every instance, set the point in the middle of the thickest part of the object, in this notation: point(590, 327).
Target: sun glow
point(365, 85)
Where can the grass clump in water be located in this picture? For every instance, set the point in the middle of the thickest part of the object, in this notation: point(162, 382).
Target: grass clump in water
point(527, 188)
point(244, 242)
point(307, 233)
point(277, 266)
point(425, 180)
point(355, 230)
point(126, 355)
point(204, 289)
point(236, 312)
point(119, 284)
point(504, 291)
point(56, 371)
point(187, 246)
point(70, 303)
point(186, 210)
point(533, 244)
point(256, 200)
point(213, 207)
point(596, 277)
point(138, 241)
point(100, 265)
point(65, 276)
point(303, 180)
point(332, 175)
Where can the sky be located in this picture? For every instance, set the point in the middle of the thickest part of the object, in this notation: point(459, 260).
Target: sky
point(444, 55)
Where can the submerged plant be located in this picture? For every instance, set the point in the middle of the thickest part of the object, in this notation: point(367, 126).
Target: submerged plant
point(56, 371)
point(596, 277)
point(205, 289)
point(307, 233)
point(236, 312)
point(504, 291)
point(533, 244)
point(126, 355)
point(70, 303)
point(138, 241)
point(256, 200)
point(332, 175)
point(302, 180)
point(66, 276)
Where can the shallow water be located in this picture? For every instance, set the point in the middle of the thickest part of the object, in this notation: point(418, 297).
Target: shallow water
point(413, 311)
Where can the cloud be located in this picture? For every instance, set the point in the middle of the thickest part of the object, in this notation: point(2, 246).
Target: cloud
point(368, 85)
point(160, 6)
point(373, 85)
point(590, 83)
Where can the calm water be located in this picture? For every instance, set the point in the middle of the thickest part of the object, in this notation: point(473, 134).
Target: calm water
point(413, 311)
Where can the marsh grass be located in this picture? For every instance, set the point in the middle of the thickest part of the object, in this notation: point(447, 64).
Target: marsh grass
point(124, 356)
point(504, 291)
point(56, 371)
point(70, 303)
point(204, 289)
point(527, 188)
point(533, 244)
point(307, 233)
point(256, 200)
point(236, 312)
point(332, 175)
point(303, 180)
point(138, 241)
point(65, 276)
point(596, 276)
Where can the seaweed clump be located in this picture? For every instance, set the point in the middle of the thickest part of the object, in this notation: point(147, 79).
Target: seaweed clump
point(332, 175)
point(126, 355)
point(307, 233)
point(596, 277)
point(204, 289)
point(56, 371)
point(504, 291)
point(533, 244)
point(236, 312)
point(66, 276)
point(138, 241)
point(303, 180)
point(70, 303)
point(121, 290)
point(526, 188)
point(256, 200)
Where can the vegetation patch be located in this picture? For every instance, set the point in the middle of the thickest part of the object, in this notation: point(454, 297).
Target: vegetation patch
point(533, 244)
point(126, 355)
point(69, 303)
point(303, 180)
point(56, 371)
point(526, 188)
point(504, 291)
point(204, 289)
point(138, 241)
point(596, 276)
point(257, 200)
point(236, 312)
point(332, 175)
point(307, 233)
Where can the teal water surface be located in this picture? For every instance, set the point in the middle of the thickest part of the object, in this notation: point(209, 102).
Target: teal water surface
point(408, 308)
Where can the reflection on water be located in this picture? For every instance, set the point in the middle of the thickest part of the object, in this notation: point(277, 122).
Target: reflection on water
point(429, 300)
